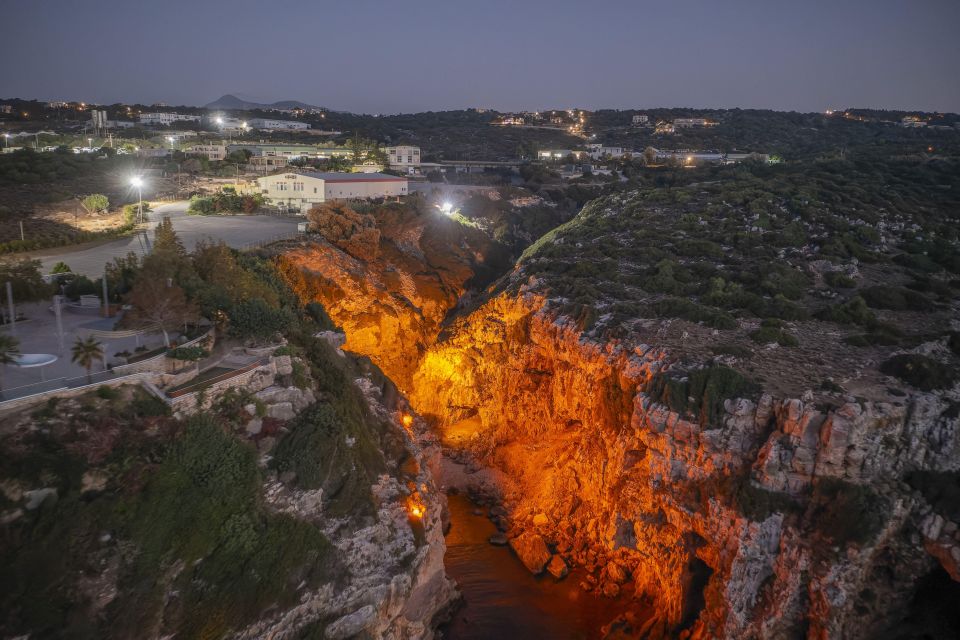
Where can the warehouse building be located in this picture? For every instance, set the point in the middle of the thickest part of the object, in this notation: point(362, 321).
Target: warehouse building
point(300, 191)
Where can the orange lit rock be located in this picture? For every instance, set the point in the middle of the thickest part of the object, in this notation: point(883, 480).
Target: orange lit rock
point(557, 567)
point(532, 551)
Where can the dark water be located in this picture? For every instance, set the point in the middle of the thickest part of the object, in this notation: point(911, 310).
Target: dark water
point(503, 600)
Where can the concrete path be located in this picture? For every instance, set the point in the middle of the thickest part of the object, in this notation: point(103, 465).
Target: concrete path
point(236, 231)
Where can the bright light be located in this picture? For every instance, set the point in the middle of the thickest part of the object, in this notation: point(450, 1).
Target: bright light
point(407, 420)
point(136, 181)
point(446, 207)
point(219, 120)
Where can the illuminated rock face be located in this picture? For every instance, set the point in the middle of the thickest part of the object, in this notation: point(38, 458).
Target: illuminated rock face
point(637, 492)
point(714, 522)
point(389, 286)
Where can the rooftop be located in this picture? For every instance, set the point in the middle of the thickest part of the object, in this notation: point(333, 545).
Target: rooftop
point(333, 176)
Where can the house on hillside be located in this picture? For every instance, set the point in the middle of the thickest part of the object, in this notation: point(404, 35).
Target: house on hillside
point(300, 191)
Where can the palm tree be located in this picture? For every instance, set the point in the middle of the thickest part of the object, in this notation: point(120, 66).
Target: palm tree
point(9, 350)
point(86, 352)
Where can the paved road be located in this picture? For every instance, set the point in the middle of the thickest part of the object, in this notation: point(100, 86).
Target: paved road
point(236, 231)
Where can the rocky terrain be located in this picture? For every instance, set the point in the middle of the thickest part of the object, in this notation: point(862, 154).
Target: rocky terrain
point(738, 397)
point(301, 506)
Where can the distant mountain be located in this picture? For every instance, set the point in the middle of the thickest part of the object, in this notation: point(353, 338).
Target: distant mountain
point(233, 102)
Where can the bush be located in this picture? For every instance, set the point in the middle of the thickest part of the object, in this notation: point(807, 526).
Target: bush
point(919, 371)
point(941, 489)
point(255, 318)
point(854, 311)
point(845, 512)
point(683, 308)
point(708, 388)
point(758, 504)
point(839, 280)
point(107, 393)
point(896, 299)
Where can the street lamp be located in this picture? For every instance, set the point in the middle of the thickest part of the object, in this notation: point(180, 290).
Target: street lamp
point(446, 207)
point(137, 182)
point(6, 140)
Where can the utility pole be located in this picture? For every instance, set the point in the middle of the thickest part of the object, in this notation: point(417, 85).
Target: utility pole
point(56, 312)
point(13, 315)
point(106, 300)
point(22, 236)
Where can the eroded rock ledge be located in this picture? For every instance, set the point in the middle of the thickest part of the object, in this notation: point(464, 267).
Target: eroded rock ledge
point(781, 517)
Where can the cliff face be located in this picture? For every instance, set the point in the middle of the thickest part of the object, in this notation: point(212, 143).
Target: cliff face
point(781, 519)
point(390, 281)
point(650, 440)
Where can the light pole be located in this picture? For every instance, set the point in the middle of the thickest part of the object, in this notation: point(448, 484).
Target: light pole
point(90, 143)
point(137, 181)
point(6, 140)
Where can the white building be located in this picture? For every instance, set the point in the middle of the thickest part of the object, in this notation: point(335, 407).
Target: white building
point(689, 123)
point(274, 125)
point(640, 119)
point(556, 154)
point(211, 151)
point(404, 158)
point(166, 119)
point(597, 151)
point(300, 191)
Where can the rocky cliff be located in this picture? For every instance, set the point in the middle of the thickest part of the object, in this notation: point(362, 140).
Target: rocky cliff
point(681, 396)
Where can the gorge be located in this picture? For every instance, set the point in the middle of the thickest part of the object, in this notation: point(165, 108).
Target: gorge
point(736, 490)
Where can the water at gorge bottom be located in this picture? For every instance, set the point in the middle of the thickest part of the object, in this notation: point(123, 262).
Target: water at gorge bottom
point(502, 600)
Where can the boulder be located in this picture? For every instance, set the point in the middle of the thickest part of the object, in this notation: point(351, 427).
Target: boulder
point(254, 427)
point(616, 573)
point(532, 551)
point(557, 567)
point(93, 480)
point(498, 540)
point(350, 625)
point(36, 497)
point(281, 411)
point(541, 520)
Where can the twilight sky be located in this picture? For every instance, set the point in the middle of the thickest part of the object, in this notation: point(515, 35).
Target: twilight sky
point(387, 56)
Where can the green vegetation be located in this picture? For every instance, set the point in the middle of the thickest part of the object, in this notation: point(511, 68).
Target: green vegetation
point(226, 200)
point(922, 372)
point(844, 512)
point(941, 489)
point(701, 391)
point(96, 203)
point(772, 330)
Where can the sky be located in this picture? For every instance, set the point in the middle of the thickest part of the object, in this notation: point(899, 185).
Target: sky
point(386, 56)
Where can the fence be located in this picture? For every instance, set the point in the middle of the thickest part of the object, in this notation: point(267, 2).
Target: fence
point(117, 375)
point(277, 238)
point(209, 382)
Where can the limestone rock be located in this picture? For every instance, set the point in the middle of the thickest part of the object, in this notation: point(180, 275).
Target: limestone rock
point(532, 551)
point(93, 480)
point(281, 411)
point(557, 567)
point(498, 540)
point(36, 497)
point(350, 625)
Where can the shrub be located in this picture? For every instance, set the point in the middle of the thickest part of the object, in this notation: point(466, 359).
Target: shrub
point(940, 488)
point(854, 311)
point(845, 512)
point(919, 371)
point(254, 318)
point(839, 280)
point(107, 393)
point(708, 388)
point(758, 504)
point(896, 299)
point(688, 310)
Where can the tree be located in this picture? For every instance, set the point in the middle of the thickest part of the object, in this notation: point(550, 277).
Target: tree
point(95, 203)
point(26, 279)
point(255, 318)
point(9, 350)
point(157, 301)
point(649, 155)
point(61, 267)
point(86, 352)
